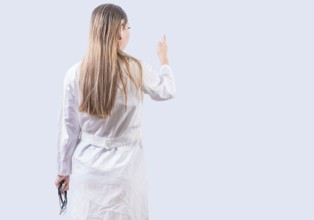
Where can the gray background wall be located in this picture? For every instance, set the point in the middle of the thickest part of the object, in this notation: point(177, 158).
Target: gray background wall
point(235, 144)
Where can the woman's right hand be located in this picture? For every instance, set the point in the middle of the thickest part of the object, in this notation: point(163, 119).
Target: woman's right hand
point(162, 50)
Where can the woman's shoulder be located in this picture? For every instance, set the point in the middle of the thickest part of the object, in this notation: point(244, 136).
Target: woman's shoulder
point(75, 67)
point(72, 72)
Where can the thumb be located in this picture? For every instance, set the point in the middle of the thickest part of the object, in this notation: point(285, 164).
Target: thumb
point(59, 180)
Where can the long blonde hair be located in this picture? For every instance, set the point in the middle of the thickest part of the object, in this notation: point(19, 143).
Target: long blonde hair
point(105, 64)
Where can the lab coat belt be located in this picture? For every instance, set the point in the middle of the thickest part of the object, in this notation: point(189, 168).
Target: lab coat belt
point(112, 142)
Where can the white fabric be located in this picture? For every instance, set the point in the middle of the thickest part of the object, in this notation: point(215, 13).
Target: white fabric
point(105, 157)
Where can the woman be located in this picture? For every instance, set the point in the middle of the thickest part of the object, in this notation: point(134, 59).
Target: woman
point(99, 131)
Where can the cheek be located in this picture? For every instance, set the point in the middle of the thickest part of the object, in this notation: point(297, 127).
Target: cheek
point(126, 36)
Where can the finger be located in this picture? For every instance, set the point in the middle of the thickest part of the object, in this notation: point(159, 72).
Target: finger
point(57, 183)
point(64, 187)
point(164, 39)
point(67, 185)
point(159, 44)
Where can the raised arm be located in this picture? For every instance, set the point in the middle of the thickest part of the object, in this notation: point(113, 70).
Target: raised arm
point(159, 85)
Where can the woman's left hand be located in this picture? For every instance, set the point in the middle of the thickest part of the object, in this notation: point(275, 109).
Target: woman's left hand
point(65, 185)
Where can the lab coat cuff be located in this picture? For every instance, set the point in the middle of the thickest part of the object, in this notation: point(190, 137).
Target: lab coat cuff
point(63, 173)
point(64, 170)
point(166, 69)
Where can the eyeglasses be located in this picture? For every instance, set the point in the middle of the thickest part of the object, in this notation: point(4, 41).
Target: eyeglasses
point(125, 25)
point(62, 201)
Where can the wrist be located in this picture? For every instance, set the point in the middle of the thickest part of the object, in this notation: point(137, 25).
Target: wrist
point(164, 61)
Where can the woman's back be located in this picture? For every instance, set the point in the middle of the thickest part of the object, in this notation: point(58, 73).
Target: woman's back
point(158, 87)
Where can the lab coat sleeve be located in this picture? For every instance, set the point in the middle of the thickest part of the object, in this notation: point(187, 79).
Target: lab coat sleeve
point(159, 85)
point(68, 127)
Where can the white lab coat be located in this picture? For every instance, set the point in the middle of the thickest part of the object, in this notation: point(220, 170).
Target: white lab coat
point(107, 182)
